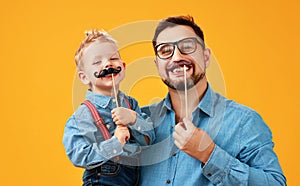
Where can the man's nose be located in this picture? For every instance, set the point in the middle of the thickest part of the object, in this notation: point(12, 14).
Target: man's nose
point(177, 55)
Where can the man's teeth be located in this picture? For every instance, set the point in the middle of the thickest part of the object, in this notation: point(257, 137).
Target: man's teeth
point(180, 69)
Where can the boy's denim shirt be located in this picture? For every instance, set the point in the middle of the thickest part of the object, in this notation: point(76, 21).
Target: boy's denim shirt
point(85, 145)
point(243, 153)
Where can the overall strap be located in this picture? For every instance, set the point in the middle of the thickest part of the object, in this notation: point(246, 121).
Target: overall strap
point(97, 119)
point(127, 103)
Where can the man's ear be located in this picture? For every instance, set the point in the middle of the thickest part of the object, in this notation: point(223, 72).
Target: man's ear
point(82, 76)
point(206, 57)
point(124, 65)
point(155, 61)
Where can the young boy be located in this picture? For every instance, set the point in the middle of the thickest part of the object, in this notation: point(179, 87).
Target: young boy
point(113, 161)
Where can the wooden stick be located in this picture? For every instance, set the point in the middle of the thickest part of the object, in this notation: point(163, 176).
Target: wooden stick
point(115, 92)
point(185, 92)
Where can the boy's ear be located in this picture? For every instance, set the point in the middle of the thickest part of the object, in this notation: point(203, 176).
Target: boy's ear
point(84, 79)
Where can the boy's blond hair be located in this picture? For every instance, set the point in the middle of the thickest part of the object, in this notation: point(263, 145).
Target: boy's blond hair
point(91, 36)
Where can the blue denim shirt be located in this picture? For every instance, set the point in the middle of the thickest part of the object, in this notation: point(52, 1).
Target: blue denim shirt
point(85, 145)
point(243, 154)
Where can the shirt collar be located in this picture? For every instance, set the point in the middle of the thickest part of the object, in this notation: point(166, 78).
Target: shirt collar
point(101, 100)
point(206, 104)
point(167, 102)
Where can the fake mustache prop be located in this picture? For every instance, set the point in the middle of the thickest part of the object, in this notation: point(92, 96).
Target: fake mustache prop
point(107, 71)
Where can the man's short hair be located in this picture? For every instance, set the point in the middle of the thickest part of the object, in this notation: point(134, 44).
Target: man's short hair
point(175, 21)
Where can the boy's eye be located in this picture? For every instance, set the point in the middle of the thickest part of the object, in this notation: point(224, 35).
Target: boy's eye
point(96, 62)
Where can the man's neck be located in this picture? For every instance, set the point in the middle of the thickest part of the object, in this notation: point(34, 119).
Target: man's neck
point(194, 96)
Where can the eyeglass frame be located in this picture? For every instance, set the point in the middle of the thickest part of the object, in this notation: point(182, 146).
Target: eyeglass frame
point(176, 44)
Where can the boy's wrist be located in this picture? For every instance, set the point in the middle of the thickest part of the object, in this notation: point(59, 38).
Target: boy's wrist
point(122, 141)
point(134, 117)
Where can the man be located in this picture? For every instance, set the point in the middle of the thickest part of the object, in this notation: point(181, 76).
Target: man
point(201, 137)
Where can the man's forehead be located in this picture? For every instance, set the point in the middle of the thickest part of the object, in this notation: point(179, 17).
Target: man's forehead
point(171, 34)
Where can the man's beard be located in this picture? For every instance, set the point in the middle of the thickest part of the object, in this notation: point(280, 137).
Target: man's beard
point(191, 82)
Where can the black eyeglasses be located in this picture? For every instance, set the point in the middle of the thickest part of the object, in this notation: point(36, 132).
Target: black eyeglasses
point(185, 46)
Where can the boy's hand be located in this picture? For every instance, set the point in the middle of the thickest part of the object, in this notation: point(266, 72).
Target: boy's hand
point(123, 116)
point(122, 133)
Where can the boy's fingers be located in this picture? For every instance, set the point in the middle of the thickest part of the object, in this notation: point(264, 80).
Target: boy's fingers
point(115, 110)
point(122, 126)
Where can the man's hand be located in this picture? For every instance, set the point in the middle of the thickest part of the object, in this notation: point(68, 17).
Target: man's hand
point(123, 116)
point(122, 134)
point(193, 141)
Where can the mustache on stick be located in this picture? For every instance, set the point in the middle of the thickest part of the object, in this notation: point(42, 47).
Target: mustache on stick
point(107, 71)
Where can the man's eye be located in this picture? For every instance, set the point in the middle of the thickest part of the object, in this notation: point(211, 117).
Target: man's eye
point(166, 49)
point(187, 45)
point(114, 58)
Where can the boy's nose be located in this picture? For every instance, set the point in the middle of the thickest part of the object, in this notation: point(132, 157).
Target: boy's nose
point(107, 63)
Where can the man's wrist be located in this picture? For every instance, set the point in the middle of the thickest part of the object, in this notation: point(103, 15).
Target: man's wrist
point(208, 152)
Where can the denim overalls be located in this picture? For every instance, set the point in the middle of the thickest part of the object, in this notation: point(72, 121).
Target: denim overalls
point(124, 172)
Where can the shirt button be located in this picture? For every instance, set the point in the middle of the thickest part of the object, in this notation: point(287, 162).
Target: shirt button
point(139, 128)
point(114, 100)
point(168, 181)
point(107, 126)
point(173, 154)
point(209, 174)
point(114, 151)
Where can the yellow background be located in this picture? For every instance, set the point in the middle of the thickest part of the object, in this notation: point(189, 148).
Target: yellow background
point(256, 44)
